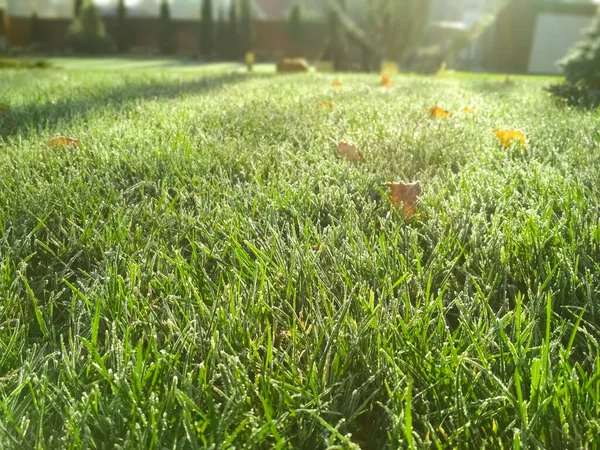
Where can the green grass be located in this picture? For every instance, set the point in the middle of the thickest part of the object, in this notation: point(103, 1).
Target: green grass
point(205, 272)
point(16, 63)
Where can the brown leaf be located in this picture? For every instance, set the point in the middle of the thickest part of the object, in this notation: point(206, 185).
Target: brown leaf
point(327, 105)
point(61, 143)
point(336, 84)
point(293, 65)
point(508, 82)
point(349, 151)
point(439, 113)
point(386, 81)
point(508, 136)
point(282, 336)
point(406, 195)
point(4, 109)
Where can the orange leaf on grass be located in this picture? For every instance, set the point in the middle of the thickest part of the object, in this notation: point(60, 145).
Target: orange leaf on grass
point(349, 151)
point(4, 109)
point(386, 81)
point(439, 113)
point(336, 84)
point(61, 143)
point(406, 195)
point(327, 105)
point(506, 137)
point(468, 110)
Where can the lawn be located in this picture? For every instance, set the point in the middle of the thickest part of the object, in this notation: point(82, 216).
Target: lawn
point(205, 271)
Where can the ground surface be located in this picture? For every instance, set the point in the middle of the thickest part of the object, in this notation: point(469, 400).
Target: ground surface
point(206, 271)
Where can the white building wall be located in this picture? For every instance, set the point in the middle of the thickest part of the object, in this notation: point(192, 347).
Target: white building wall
point(554, 36)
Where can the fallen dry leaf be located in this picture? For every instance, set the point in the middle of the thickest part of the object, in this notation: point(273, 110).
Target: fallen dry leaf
point(293, 65)
point(337, 84)
point(349, 151)
point(508, 136)
point(4, 109)
point(327, 105)
point(282, 336)
point(61, 143)
point(386, 81)
point(405, 195)
point(467, 110)
point(439, 113)
point(508, 82)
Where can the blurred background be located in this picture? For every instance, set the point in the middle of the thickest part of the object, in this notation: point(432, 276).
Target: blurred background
point(518, 36)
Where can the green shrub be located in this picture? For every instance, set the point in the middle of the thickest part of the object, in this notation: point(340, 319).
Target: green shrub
point(207, 29)
point(222, 38)
point(246, 37)
point(233, 47)
point(166, 41)
point(35, 29)
point(295, 29)
point(581, 68)
point(13, 63)
point(122, 31)
point(87, 34)
point(77, 7)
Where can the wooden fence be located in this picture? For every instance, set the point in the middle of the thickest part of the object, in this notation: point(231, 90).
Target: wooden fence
point(506, 47)
point(271, 37)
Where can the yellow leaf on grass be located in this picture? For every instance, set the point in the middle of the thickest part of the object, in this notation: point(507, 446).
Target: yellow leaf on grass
point(442, 70)
point(439, 113)
point(386, 81)
point(250, 60)
point(327, 105)
point(443, 432)
point(349, 151)
point(337, 84)
point(406, 195)
point(4, 109)
point(468, 110)
point(507, 137)
point(61, 143)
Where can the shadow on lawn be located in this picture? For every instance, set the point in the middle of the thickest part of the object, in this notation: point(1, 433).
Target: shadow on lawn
point(34, 117)
point(503, 89)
